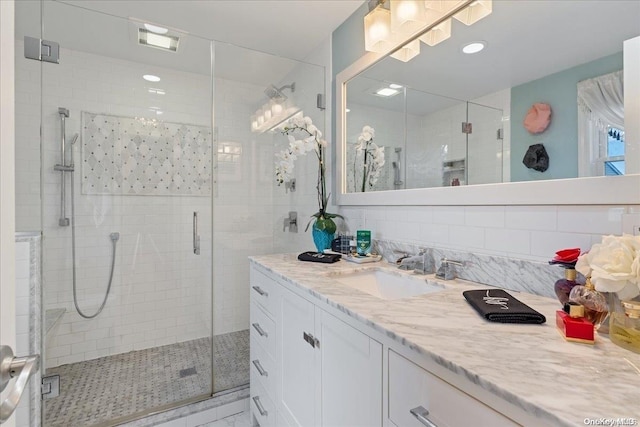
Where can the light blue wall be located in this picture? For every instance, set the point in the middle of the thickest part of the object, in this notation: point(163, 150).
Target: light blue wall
point(347, 45)
point(560, 139)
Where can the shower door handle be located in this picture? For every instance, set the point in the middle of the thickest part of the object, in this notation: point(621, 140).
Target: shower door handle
point(196, 238)
point(11, 367)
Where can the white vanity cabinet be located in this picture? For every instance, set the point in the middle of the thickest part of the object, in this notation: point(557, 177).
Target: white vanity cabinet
point(328, 373)
point(330, 370)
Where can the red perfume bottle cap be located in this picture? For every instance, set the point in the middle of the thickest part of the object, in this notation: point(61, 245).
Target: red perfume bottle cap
point(576, 329)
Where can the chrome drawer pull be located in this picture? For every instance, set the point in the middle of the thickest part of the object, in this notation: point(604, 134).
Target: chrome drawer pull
point(260, 369)
point(421, 415)
point(263, 411)
point(261, 331)
point(259, 290)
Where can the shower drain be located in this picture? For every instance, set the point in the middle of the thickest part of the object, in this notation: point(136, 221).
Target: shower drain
point(187, 372)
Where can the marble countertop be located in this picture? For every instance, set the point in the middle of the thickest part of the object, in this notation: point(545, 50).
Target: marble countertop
point(531, 366)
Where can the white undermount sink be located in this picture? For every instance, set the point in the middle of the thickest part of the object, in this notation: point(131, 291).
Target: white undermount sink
point(387, 285)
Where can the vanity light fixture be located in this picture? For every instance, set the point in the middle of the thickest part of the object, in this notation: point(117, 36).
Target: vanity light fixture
point(475, 12)
point(438, 34)
point(474, 47)
point(407, 52)
point(377, 30)
point(151, 78)
point(407, 16)
point(385, 28)
point(272, 115)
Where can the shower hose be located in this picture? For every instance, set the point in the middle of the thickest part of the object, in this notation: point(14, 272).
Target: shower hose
point(114, 241)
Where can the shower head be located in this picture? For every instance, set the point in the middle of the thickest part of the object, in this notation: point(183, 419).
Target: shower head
point(276, 93)
point(74, 139)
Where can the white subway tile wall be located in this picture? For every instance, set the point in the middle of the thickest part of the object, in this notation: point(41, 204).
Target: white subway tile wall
point(523, 232)
point(161, 291)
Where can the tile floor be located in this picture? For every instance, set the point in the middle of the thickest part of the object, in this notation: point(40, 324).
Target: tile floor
point(97, 391)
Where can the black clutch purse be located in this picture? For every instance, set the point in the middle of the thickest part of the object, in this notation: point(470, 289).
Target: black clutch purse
point(319, 257)
point(497, 305)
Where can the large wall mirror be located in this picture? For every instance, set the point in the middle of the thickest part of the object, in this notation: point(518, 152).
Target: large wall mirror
point(448, 127)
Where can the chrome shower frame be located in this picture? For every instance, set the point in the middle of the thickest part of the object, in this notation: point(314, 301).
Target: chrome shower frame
point(63, 167)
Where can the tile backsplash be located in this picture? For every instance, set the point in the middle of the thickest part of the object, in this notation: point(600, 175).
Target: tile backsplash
point(531, 233)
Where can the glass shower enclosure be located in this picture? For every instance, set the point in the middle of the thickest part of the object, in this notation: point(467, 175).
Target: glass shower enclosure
point(139, 162)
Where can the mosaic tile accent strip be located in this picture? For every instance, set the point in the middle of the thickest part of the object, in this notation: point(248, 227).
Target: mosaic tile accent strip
point(135, 156)
point(104, 389)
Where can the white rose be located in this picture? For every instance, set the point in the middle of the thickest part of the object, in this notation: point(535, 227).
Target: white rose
point(613, 263)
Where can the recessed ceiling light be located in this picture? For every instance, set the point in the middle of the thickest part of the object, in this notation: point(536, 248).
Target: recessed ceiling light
point(151, 78)
point(386, 91)
point(347, 110)
point(156, 29)
point(474, 47)
point(395, 86)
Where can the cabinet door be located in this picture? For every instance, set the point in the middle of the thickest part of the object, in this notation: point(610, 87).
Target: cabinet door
point(297, 361)
point(351, 374)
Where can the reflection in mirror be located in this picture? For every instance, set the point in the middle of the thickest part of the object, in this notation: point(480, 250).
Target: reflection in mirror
point(531, 56)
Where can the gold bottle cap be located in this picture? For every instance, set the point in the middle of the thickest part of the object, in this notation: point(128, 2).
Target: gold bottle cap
point(631, 309)
point(570, 274)
point(573, 309)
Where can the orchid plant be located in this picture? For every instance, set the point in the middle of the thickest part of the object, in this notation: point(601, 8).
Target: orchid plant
point(614, 265)
point(373, 158)
point(310, 140)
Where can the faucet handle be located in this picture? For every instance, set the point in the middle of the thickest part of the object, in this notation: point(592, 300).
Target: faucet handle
point(446, 270)
point(402, 255)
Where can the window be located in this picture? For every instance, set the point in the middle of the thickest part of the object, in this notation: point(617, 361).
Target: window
point(614, 156)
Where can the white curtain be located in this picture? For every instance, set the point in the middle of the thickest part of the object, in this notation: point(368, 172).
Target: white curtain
point(600, 104)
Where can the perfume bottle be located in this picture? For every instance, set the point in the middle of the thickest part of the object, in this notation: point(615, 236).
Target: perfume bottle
point(595, 304)
point(563, 286)
point(624, 327)
point(572, 324)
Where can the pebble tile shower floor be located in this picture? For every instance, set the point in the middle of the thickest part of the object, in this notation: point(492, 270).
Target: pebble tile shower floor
point(99, 390)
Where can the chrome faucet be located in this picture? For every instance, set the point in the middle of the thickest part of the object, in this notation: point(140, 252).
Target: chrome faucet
point(447, 270)
point(422, 263)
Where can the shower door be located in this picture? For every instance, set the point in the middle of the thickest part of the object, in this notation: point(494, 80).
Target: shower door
point(126, 217)
point(485, 144)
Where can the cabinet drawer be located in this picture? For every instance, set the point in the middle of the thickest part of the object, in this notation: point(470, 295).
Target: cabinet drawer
point(263, 330)
point(411, 387)
point(262, 407)
point(263, 367)
point(263, 291)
